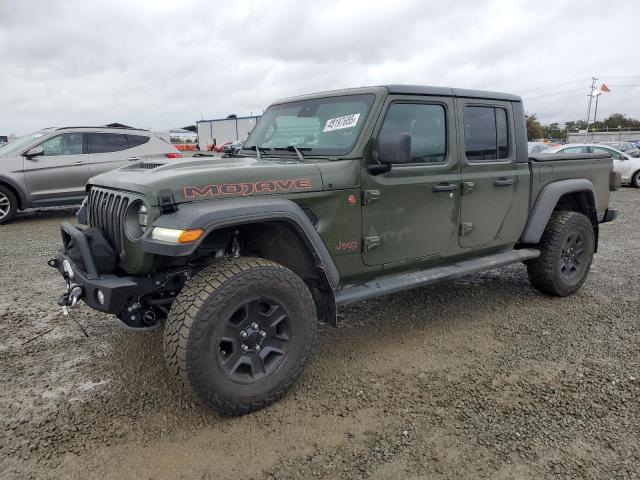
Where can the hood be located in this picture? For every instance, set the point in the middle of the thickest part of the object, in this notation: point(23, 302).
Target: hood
point(209, 178)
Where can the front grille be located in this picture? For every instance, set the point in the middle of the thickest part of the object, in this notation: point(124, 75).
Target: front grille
point(107, 210)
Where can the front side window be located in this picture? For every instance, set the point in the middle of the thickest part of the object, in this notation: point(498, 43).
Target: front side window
point(106, 142)
point(606, 151)
point(486, 133)
point(426, 126)
point(323, 126)
point(65, 144)
point(52, 146)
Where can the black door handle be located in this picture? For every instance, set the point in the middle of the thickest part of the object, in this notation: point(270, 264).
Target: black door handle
point(448, 187)
point(503, 182)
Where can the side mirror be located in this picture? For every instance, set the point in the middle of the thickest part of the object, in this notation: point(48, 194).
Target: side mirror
point(394, 148)
point(34, 152)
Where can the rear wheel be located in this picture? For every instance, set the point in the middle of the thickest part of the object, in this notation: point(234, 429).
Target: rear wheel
point(566, 248)
point(635, 179)
point(239, 334)
point(8, 205)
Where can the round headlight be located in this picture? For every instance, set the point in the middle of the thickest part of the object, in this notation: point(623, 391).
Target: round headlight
point(136, 220)
point(143, 217)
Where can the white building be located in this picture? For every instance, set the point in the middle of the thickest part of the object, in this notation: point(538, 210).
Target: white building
point(223, 130)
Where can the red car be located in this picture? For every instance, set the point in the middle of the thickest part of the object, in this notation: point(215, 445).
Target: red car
point(218, 148)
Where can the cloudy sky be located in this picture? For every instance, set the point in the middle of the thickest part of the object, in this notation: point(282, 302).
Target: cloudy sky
point(164, 63)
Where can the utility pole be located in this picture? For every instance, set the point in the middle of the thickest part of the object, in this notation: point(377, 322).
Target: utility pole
point(593, 84)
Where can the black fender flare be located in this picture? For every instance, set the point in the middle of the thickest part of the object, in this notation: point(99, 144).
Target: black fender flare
point(546, 203)
point(23, 197)
point(216, 214)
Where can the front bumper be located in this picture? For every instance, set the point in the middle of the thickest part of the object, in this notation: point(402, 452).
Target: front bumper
point(116, 291)
point(119, 295)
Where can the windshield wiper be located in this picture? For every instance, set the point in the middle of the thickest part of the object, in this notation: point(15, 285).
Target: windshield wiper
point(292, 148)
point(257, 149)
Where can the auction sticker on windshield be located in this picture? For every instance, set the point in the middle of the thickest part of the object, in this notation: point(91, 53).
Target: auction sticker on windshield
point(339, 123)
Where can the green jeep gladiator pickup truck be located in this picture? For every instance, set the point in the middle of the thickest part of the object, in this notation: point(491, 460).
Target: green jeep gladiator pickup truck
point(337, 197)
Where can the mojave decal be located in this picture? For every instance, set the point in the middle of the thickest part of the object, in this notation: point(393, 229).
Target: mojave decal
point(265, 186)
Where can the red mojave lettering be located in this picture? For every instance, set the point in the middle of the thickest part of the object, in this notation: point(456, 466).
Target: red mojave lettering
point(247, 188)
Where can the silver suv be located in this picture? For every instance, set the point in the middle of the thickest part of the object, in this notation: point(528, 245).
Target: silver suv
point(52, 166)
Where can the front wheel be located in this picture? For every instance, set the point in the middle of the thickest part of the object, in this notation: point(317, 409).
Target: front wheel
point(635, 179)
point(8, 205)
point(566, 248)
point(239, 334)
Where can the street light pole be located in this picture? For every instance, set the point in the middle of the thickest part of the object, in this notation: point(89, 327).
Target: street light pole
point(593, 83)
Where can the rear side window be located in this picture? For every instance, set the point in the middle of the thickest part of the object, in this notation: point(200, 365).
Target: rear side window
point(106, 142)
point(426, 126)
point(486, 133)
point(574, 150)
point(137, 140)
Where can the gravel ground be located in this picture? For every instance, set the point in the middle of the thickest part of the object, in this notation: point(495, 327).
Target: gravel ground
point(480, 377)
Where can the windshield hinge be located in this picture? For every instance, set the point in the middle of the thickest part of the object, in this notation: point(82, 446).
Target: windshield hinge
point(369, 196)
point(370, 243)
point(166, 202)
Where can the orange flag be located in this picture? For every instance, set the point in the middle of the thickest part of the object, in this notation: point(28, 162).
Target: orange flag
point(604, 88)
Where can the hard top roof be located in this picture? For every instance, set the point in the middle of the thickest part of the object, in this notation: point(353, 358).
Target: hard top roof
point(409, 90)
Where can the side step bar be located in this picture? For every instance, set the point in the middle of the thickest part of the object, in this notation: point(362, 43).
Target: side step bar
point(406, 281)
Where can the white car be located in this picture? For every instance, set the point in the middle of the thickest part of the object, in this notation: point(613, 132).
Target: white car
point(537, 147)
point(628, 166)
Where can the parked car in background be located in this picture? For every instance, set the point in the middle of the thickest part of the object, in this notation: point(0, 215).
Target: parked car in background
point(232, 148)
point(537, 147)
point(635, 142)
point(626, 165)
point(626, 147)
point(52, 166)
point(219, 147)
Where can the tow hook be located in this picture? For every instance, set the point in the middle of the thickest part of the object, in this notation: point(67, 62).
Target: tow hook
point(70, 298)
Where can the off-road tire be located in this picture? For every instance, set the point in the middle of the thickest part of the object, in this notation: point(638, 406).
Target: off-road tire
point(545, 272)
point(203, 310)
point(635, 179)
point(7, 195)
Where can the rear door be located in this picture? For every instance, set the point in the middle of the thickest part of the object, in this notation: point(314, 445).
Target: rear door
point(108, 151)
point(61, 173)
point(411, 212)
point(488, 170)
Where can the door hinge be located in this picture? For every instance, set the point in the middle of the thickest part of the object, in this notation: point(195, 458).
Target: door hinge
point(370, 243)
point(465, 228)
point(369, 196)
point(468, 187)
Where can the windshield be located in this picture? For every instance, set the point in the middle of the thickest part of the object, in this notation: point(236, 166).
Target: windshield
point(323, 126)
point(19, 144)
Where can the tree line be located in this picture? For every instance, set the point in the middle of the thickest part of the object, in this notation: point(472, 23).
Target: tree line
point(556, 130)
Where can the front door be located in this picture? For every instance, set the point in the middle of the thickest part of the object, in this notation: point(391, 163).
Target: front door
point(411, 212)
point(489, 174)
point(61, 173)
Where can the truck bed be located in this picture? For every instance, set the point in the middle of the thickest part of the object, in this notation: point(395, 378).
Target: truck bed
point(594, 167)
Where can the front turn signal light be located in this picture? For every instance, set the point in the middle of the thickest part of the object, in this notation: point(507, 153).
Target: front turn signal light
point(176, 236)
